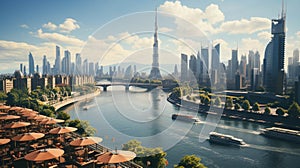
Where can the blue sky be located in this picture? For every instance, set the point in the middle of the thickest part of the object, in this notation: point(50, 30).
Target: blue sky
point(37, 26)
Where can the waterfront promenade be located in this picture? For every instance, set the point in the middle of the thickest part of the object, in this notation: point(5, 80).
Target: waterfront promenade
point(71, 100)
point(241, 114)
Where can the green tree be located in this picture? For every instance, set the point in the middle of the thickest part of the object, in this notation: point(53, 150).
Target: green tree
point(190, 161)
point(229, 103)
point(176, 92)
point(83, 127)
point(47, 112)
point(3, 96)
point(237, 106)
point(63, 115)
point(246, 105)
point(206, 100)
point(218, 101)
point(294, 110)
point(146, 157)
point(12, 99)
point(280, 111)
point(267, 111)
point(255, 107)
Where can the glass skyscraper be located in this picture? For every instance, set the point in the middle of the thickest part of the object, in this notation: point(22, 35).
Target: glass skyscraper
point(274, 56)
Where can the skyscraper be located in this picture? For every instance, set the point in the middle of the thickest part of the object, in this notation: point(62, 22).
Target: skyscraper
point(205, 57)
point(234, 63)
point(184, 64)
point(57, 66)
point(296, 56)
point(215, 62)
point(155, 72)
point(31, 64)
point(175, 73)
point(78, 64)
point(68, 62)
point(21, 67)
point(274, 56)
point(192, 67)
point(45, 65)
point(91, 69)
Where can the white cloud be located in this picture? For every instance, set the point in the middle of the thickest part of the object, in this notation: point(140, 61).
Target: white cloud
point(165, 29)
point(298, 34)
point(245, 26)
point(25, 26)
point(56, 37)
point(214, 14)
point(69, 25)
point(15, 45)
point(264, 35)
point(105, 52)
point(202, 20)
point(50, 26)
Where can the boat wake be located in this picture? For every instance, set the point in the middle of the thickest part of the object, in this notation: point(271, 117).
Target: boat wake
point(233, 128)
point(274, 149)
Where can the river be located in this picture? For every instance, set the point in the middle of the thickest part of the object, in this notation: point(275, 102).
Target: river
point(120, 116)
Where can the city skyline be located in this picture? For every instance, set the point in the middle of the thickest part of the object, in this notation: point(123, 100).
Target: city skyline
point(70, 29)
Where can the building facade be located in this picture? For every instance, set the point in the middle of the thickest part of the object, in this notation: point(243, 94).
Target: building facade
point(274, 57)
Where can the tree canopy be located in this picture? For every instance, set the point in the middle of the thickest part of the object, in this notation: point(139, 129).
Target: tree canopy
point(246, 105)
point(255, 107)
point(229, 103)
point(190, 161)
point(153, 157)
point(237, 106)
point(294, 110)
point(217, 101)
point(267, 111)
point(280, 111)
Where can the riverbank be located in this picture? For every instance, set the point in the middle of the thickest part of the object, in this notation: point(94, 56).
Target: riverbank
point(281, 121)
point(68, 101)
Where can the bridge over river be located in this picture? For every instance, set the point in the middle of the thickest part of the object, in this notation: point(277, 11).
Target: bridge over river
point(148, 86)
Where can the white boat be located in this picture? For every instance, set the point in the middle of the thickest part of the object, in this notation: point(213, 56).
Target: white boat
point(225, 139)
point(187, 118)
point(282, 133)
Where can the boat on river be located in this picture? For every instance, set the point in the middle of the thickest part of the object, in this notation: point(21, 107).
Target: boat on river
point(187, 118)
point(225, 139)
point(282, 133)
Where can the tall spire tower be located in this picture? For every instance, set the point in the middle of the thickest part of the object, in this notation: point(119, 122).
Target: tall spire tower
point(155, 72)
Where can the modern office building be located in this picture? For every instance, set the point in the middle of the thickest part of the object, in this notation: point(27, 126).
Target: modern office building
point(45, 65)
point(205, 58)
point(274, 56)
point(184, 68)
point(31, 64)
point(215, 60)
point(192, 68)
point(234, 63)
point(67, 62)
point(91, 69)
point(57, 66)
point(78, 69)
